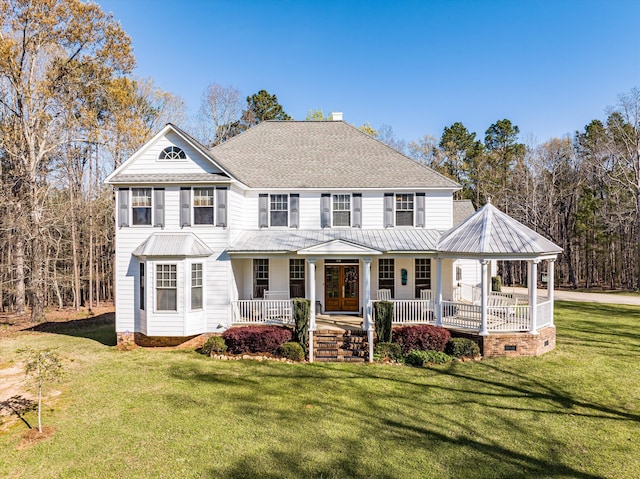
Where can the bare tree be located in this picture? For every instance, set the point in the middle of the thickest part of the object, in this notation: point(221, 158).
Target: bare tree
point(219, 114)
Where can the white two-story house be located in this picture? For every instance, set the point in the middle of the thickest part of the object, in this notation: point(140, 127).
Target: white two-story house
point(207, 239)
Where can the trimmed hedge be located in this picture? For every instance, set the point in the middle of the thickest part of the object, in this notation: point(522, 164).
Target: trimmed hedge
point(462, 348)
point(423, 338)
point(384, 316)
point(420, 358)
point(214, 344)
point(256, 339)
point(292, 351)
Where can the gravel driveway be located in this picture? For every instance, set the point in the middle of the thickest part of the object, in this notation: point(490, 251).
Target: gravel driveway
point(565, 295)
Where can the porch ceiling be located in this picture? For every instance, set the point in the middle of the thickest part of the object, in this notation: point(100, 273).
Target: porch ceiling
point(376, 241)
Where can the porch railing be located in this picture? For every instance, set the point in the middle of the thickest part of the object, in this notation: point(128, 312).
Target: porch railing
point(544, 315)
point(456, 314)
point(266, 311)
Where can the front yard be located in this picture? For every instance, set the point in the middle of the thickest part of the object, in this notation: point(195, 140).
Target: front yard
point(574, 412)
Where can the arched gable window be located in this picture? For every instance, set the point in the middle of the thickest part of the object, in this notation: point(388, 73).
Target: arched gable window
point(172, 153)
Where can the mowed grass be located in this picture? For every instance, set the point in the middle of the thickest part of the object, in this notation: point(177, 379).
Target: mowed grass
point(574, 412)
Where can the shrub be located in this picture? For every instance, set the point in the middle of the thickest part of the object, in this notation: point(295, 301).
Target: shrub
point(420, 358)
point(292, 351)
point(496, 283)
point(301, 313)
point(423, 338)
point(383, 315)
point(462, 348)
point(214, 344)
point(256, 339)
point(388, 351)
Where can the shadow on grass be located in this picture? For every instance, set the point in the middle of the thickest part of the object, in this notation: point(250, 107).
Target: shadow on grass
point(99, 328)
point(256, 390)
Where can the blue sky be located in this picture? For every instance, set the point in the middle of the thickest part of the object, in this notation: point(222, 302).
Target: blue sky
point(418, 66)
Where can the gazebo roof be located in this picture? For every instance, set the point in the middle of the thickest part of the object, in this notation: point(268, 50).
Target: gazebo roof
point(490, 233)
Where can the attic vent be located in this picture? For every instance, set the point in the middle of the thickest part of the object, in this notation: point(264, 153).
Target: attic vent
point(336, 116)
point(172, 153)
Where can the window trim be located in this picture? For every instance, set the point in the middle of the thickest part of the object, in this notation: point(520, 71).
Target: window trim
point(333, 210)
point(150, 207)
point(173, 270)
point(396, 210)
point(298, 275)
point(212, 206)
point(254, 273)
point(172, 150)
point(392, 276)
point(271, 210)
point(193, 286)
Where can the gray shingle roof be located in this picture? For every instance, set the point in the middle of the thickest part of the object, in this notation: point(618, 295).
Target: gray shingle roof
point(490, 231)
point(169, 178)
point(173, 244)
point(462, 209)
point(320, 154)
point(388, 240)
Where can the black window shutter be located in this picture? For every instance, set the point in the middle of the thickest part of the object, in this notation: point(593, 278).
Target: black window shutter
point(263, 205)
point(221, 206)
point(388, 210)
point(357, 210)
point(158, 205)
point(294, 215)
point(185, 207)
point(123, 210)
point(420, 210)
point(325, 210)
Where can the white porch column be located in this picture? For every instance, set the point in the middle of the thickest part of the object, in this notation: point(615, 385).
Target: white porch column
point(439, 292)
point(533, 296)
point(550, 287)
point(367, 305)
point(312, 306)
point(483, 297)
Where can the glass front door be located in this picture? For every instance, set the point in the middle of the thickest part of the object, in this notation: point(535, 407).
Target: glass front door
point(341, 287)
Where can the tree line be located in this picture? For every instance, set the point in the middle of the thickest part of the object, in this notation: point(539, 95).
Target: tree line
point(71, 111)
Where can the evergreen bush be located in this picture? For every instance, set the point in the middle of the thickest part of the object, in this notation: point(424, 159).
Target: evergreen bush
point(420, 358)
point(292, 351)
point(301, 314)
point(384, 316)
point(462, 348)
point(213, 345)
point(390, 351)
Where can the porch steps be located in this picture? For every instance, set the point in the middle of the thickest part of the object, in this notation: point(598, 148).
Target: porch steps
point(338, 345)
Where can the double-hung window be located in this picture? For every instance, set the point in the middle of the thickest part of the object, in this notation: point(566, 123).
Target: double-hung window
point(341, 210)
point(296, 278)
point(196, 286)
point(203, 206)
point(423, 275)
point(141, 206)
point(404, 209)
point(386, 277)
point(279, 210)
point(166, 287)
point(260, 277)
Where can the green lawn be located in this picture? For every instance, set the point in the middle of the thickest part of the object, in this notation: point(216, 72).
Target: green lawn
point(574, 412)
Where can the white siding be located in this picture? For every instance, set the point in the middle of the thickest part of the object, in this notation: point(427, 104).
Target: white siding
point(373, 210)
point(310, 210)
point(148, 163)
point(439, 210)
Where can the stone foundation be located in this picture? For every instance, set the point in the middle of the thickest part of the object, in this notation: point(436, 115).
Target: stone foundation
point(519, 344)
point(128, 339)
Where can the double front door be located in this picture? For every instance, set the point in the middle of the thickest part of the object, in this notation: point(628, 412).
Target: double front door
point(341, 287)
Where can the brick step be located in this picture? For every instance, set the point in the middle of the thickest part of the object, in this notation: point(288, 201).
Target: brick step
point(340, 346)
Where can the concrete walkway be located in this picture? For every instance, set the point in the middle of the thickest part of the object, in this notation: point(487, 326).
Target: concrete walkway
point(565, 295)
